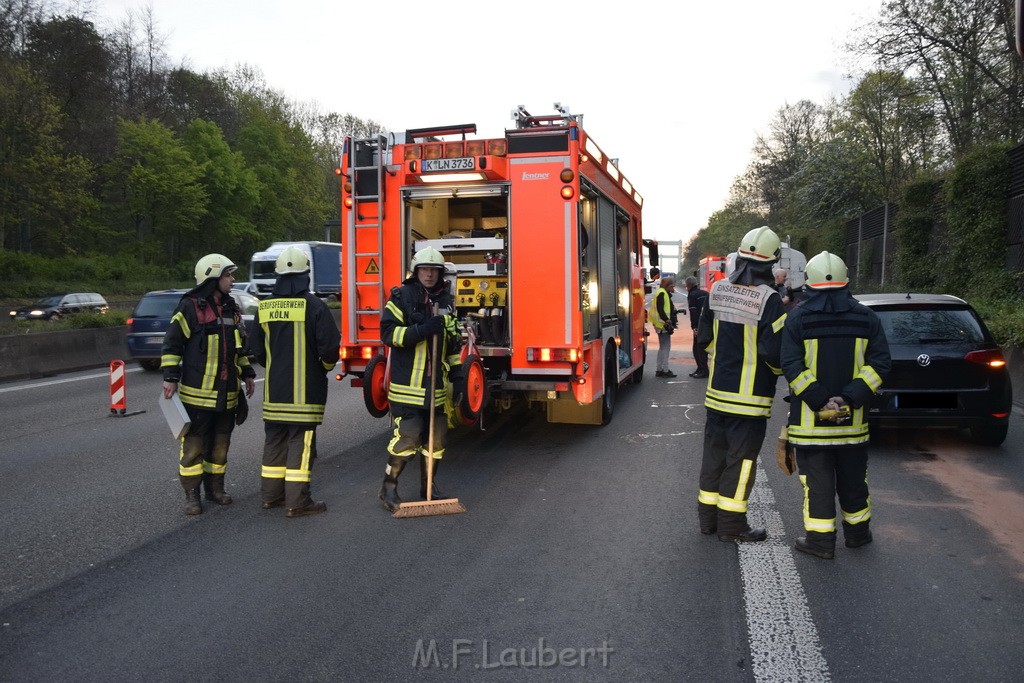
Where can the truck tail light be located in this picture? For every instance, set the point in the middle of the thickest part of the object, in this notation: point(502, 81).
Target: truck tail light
point(545, 354)
point(364, 352)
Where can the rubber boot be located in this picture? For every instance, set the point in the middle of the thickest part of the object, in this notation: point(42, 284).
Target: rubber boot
point(733, 526)
point(856, 535)
point(819, 544)
point(436, 494)
point(389, 489)
point(193, 506)
point(214, 485)
point(707, 516)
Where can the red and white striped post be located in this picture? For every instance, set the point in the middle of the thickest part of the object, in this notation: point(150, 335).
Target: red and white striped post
point(118, 394)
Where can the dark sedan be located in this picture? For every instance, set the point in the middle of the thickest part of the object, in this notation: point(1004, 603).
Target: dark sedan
point(947, 371)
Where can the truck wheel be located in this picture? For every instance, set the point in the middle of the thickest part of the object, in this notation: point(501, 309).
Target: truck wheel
point(611, 383)
point(375, 386)
point(474, 393)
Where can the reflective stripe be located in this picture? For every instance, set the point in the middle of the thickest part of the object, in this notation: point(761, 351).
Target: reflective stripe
point(304, 472)
point(179, 318)
point(707, 497)
point(780, 323)
point(858, 517)
point(396, 311)
point(749, 368)
point(824, 526)
point(732, 504)
point(272, 472)
point(290, 412)
point(169, 360)
point(194, 471)
point(741, 484)
point(802, 381)
point(214, 468)
point(394, 440)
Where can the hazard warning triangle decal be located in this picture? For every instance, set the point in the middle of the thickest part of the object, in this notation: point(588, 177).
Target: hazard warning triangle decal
point(372, 268)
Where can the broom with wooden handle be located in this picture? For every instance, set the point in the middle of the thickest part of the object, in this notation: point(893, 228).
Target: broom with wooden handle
point(430, 507)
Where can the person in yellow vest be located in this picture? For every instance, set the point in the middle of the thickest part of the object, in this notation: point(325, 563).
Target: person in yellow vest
point(834, 355)
point(203, 360)
point(662, 316)
point(741, 327)
point(296, 340)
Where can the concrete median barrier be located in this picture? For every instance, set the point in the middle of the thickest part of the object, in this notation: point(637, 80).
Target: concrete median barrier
point(43, 354)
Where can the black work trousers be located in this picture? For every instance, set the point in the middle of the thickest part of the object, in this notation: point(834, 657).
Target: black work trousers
point(826, 473)
point(288, 454)
point(700, 354)
point(728, 469)
point(204, 448)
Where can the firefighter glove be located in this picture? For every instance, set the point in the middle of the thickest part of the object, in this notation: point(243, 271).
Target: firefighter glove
point(435, 325)
point(785, 453)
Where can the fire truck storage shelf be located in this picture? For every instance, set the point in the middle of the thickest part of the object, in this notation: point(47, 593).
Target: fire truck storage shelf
point(456, 244)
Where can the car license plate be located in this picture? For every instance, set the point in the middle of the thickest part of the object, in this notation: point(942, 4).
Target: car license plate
point(154, 341)
point(460, 164)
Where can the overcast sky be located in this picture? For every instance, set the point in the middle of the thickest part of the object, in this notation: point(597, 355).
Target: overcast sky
point(676, 91)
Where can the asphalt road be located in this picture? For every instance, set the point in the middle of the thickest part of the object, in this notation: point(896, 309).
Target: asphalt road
point(578, 558)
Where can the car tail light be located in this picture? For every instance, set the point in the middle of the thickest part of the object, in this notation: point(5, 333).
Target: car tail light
point(129, 321)
point(993, 358)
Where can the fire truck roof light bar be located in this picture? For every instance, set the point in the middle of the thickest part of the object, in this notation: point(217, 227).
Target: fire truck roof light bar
point(423, 133)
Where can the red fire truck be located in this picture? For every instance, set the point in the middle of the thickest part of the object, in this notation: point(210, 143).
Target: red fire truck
point(543, 234)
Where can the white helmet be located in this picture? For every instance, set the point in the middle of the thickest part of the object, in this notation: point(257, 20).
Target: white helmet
point(760, 244)
point(213, 266)
point(292, 260)
point(826, 271)
point(428, 257)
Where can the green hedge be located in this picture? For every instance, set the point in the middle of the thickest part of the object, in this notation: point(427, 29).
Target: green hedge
point(27, 277)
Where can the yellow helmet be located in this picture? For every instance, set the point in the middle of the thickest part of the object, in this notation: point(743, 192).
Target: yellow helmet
point(213, 265)
point(292, 260)
point(428, 257)
point(760, 244)
point(826, 271)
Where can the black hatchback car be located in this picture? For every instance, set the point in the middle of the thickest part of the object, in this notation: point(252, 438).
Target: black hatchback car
point(947, 371)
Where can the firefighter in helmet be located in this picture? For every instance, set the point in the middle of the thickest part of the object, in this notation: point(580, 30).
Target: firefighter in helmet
point(203, 360)
point(834, 355)
point(297, 342)
point(418, 314)
point(741, 327)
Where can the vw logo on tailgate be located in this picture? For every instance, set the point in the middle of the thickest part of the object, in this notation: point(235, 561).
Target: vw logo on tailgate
point(924, 360)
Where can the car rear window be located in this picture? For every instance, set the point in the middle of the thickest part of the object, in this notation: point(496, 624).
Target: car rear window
point(157, 306)
point(937, 324)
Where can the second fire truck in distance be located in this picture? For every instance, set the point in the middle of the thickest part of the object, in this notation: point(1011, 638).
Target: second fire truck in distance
point(544, 236)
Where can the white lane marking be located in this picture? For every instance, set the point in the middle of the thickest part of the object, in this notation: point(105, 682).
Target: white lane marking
point(784, 643)
point(36, 385)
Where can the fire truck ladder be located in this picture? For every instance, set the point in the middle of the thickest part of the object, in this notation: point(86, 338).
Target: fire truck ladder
point(365, 234)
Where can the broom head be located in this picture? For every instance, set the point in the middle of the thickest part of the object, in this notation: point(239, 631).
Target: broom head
point(428, 508)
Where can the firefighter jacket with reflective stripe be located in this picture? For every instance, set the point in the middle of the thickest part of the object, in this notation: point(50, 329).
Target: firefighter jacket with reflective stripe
point(662, 312)
point(832, 345)
point(203, 353)
point(741, 327)
point(401, 328)
point(297, 342)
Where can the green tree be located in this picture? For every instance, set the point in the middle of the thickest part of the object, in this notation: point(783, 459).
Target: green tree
point(890, 121)
point(44, 203)
point(232, 189)
point(156, 199)
point(960, 53)
point(72, 58)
